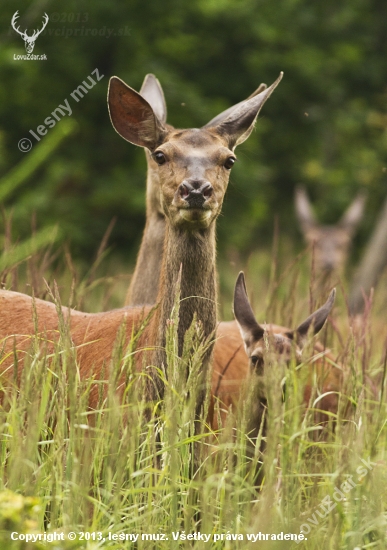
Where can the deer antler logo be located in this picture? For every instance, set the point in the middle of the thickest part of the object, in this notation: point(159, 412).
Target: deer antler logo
point(29, 41)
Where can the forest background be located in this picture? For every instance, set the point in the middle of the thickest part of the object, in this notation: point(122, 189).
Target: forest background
point(324, 127)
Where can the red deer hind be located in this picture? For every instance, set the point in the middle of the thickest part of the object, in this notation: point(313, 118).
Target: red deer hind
point(193, 168)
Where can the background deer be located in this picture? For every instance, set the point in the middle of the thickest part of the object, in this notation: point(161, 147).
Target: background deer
point(29, 41)
point(330, 243)
point(145, 280)
point(194, 167)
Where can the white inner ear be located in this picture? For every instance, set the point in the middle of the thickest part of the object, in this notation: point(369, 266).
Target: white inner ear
point(151, 91)
point(246, 337)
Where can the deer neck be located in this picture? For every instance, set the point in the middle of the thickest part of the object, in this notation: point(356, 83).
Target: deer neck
point(144, 285)
point(194, 253)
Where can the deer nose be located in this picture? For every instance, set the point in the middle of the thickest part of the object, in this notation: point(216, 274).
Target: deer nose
point(195, 193)
point(329, 265)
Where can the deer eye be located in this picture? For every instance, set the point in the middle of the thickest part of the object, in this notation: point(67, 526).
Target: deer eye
point(159, 157)
point(229, 163)
point(257, 362)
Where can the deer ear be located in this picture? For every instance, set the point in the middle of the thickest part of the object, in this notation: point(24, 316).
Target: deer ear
point(250, 329)
point(152, 91)
point(239, 124)
point(225, 114)
point(316, 320)
point(354, 213)
point(304, 210)
point(132, 116)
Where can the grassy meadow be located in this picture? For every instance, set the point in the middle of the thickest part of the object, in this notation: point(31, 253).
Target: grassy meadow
point(134, 475)
point(124, 471)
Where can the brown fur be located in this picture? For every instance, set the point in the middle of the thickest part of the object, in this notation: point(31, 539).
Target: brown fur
point(189, 241)
point(94, 336)
point(144, 285)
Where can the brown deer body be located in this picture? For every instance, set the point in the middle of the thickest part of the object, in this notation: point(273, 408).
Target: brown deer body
point(193, 170)
point(94, 336)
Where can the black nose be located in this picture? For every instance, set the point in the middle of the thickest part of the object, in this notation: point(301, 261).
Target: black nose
point(329, 266)
point(196, 194)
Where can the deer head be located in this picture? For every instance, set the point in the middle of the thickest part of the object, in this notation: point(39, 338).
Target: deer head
point(29, 41)
point(330, 243)
point(145, 281)
point(280, 342)
point(193, 165)
point(152, 91)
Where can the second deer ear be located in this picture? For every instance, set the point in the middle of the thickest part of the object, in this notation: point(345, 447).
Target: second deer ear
point(152, 91)
point(354, 213)
point(225, 114)
point(132, 116)
point(239, 124)
point(316, 320)
point(251, 331)
point(304, 210)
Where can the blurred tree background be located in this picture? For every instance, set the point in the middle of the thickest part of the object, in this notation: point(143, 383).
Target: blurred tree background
point(325, 125)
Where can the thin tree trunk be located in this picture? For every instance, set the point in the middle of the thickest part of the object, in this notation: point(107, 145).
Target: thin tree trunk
point(371, 266)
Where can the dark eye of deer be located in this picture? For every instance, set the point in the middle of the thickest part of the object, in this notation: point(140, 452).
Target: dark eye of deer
point(256, 361)
point(159, 158)
point(229, 163)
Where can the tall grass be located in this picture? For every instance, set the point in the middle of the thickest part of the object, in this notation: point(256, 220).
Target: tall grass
point(130, 467)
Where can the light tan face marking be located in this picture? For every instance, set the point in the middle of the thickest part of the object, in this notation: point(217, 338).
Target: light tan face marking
point(193, 160)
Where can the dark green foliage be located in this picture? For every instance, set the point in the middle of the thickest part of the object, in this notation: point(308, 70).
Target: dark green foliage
point(325, 126)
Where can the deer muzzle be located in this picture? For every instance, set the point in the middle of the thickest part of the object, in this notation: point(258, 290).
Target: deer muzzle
point(195, 194)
